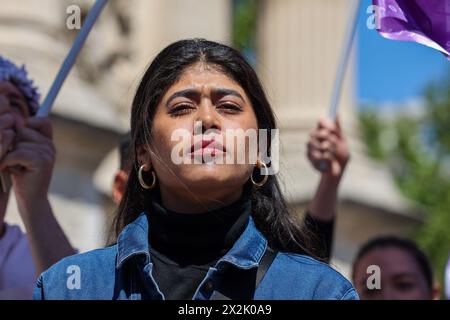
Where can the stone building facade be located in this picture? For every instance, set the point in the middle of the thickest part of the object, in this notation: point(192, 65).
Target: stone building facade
point(298, 46)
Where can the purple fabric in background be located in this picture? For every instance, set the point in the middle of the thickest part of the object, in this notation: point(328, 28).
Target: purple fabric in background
point(423, 21)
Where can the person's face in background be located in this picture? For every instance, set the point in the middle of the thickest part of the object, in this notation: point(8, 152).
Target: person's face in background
point(401, 276)
point(207, 95)
point(13, 114)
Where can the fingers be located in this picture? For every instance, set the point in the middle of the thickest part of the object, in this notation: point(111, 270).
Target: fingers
point(6, 121)
point(42, 125)
point(323, 141)
point(4, 105)
point(330, 126)
point(25, 144)
point(327, 149)
point(29, 155)
point(22, 158)
point(7, 137)
point(317, 156)
point(37, 148)
point(326, 124)
point(320, 162)
point(326, 127)
point(29, 135)
point(321, 153)
point(320, 157)
point(7, 132)
point(327, 131)
point(27, 147)
point(37, 131)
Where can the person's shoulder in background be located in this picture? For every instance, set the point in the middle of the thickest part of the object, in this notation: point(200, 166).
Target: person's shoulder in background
point(17, 270)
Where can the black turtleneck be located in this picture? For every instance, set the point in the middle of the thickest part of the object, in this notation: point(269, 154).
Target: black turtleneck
point(184, 246)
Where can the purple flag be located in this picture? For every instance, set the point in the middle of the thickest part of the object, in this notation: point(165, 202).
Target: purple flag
point(423, 21)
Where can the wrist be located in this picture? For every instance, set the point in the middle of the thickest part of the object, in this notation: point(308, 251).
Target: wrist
point(330, 180)
point(33, 208)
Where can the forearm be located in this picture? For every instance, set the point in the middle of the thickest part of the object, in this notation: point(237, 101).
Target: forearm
point(323, 205)
point(48, 243)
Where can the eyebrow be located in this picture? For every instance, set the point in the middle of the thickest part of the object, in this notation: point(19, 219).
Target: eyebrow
point(192, 94)
point(188, 93)
point(227, 92)
point(407, 274)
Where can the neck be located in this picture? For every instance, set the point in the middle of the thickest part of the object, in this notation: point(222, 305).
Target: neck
point(191, 201)
point(197, 238)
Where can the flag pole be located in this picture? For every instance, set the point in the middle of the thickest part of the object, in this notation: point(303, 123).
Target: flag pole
point(342, 68)
point(91, 18)
point(46, 107)
point(345, 57)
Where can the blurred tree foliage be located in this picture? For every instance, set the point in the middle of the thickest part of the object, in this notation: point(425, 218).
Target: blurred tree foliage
point(244, 24)
point(372, 127)
point(417, 150)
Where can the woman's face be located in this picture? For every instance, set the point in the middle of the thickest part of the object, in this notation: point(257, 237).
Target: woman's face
point(190, 153)
point(401, 277)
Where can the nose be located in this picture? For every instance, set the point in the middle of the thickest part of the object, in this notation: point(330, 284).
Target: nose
point(207, 117)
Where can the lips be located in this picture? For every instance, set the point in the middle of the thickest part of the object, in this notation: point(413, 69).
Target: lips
point(204, 146)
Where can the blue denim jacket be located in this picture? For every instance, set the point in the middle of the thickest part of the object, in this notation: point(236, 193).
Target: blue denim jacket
point(124, 271)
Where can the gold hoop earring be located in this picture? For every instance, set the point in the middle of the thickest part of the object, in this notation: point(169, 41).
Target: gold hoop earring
point(266, 176)
point(141, 179)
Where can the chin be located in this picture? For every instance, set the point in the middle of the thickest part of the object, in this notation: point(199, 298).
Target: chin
point(210, 175)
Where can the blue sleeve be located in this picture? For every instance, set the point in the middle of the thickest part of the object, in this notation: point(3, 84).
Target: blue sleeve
point(38, 293)
point(350, 295)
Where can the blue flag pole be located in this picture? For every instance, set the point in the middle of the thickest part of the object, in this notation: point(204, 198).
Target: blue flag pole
point(345, 57)
point(92, 17)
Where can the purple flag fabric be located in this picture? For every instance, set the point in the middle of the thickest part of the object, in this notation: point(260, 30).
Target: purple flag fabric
point(423, 21)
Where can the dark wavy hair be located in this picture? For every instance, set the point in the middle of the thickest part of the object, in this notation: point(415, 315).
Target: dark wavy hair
point(269, 208)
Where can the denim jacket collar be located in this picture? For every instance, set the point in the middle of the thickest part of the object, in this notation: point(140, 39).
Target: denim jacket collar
point(248, 249)
point(133, 241)
point(245, 254)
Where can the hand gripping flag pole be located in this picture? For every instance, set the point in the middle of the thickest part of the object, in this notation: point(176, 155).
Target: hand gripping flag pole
point(47, 105)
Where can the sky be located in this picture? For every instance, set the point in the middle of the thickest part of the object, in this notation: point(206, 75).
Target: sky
point(393, 72)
